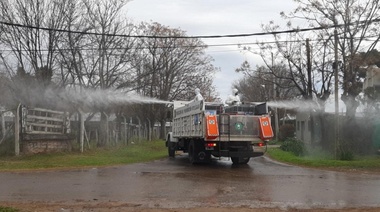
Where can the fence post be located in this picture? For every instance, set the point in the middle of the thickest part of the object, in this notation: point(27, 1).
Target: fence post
point(81, 130)
point(125, 129)
point(149, 130)
point(17, 130)
point(2, 123)
point(139, 129)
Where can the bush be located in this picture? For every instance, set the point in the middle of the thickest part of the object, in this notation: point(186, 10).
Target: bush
point(346, 155)
point(346, 150)
point(294, 146)
point(286, 131)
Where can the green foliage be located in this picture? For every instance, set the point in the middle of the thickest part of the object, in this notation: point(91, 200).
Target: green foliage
point(274, 142)
point(317, 153)
point(8, 209)
point(346, 155)
point(345, 151)
point(294, 146)
point(286, 131)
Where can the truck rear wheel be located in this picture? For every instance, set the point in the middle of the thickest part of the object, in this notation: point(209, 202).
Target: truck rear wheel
point(191, 151)
point(237, 160)
point(171, 149)
point(171, 146)
point(197, 152)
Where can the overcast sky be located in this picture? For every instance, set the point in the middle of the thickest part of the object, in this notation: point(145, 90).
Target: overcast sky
point(215, 17)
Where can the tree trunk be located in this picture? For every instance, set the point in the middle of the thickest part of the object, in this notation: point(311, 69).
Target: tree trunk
point(351, 105)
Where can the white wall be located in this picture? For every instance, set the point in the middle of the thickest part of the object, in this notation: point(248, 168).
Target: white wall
point(303, 128)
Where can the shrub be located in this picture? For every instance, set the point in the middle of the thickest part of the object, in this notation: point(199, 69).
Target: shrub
point(286, 131)
point(346, 155)
point(294, 146)
point(346, 150)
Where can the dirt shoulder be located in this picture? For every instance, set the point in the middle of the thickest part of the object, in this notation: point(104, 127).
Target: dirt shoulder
point(119, 206)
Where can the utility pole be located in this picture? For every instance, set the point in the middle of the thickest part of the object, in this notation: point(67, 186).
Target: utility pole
point(309, 89)
point(336, 93)
point(276, 126)
point(308, 53)
point(18, 129)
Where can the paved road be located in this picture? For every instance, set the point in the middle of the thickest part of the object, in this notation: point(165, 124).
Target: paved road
point(175, 183)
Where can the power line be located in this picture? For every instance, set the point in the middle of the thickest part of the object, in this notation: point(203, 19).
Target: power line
point(190, 46)
point(184, 37)
point(188, 37)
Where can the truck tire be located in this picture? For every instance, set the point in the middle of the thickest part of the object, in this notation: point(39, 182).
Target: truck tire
point(171, 149)
point(192, 152)
point(237, 160)
point(197, 153)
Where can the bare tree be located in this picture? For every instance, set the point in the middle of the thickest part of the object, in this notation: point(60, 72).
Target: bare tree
point(173, 68)
point(107, 60)
point(30, 41)
point(357, 23)
point(306, 63)
point(112, 54)
point(74, 47)
point(259, 84)
point(89, 43)
point(30, 46)
point(98, 51)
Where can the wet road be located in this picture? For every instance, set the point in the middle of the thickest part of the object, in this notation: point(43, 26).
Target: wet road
point(172, 183)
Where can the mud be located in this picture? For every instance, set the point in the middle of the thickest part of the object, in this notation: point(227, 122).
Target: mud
point(175, 185)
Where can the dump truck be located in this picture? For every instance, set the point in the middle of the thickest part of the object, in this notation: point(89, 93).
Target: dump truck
point(204, 129)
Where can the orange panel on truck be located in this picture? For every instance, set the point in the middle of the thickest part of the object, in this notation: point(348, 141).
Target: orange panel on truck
point(266, 131)
point(212, 130)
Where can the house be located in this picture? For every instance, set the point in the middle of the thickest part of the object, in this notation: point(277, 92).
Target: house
point(372, 78)
point(308, 127)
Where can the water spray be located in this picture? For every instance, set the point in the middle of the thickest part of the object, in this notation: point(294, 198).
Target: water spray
point(101, 97)
point(300, 105)
point(70, 98)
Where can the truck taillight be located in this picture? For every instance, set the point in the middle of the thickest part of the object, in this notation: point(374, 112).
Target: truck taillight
point(210, 144)
point(261, 144)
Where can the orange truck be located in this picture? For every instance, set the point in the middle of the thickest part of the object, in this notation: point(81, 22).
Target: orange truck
point(206, 129)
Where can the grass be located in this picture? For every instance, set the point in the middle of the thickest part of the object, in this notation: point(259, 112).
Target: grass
point(141, 152)
point(325, 161)
point(8, 209)
point(152, 150)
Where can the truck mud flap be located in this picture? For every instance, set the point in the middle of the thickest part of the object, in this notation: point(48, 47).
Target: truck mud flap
point(242, 154)
point(257, 154)
point(197, 153)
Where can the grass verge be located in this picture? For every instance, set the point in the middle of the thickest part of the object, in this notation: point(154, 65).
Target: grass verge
point(370, 163)
point(8, 209)
point(141, 152)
